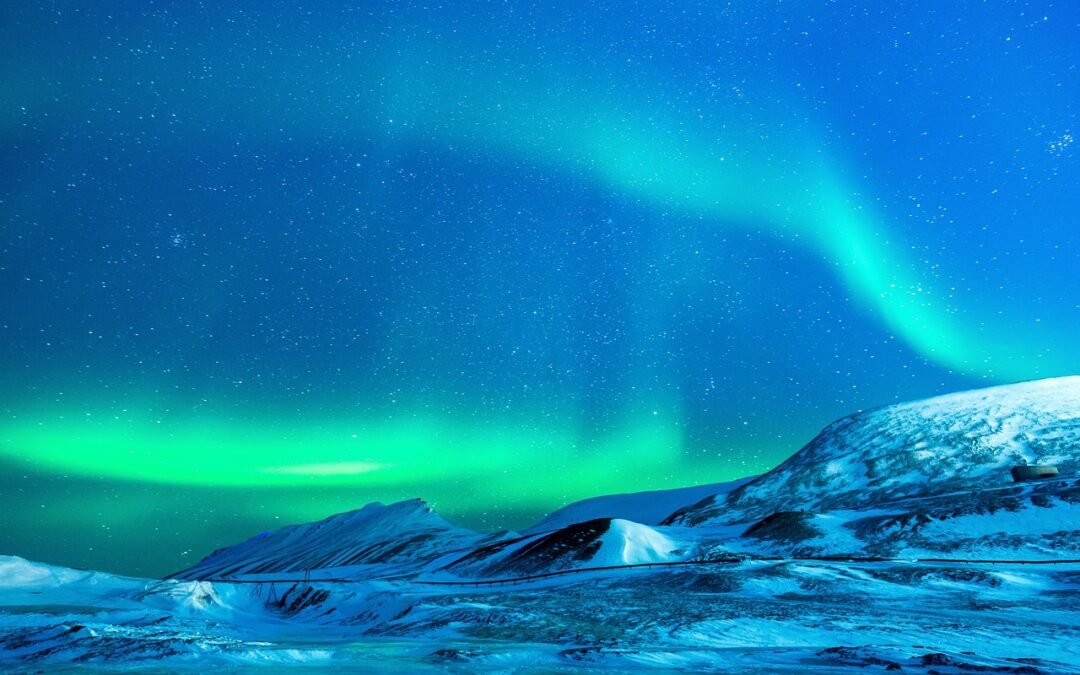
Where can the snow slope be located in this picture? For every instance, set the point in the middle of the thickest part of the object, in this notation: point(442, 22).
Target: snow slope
point(16, 572)
point(1039, 521)
point(593, 543)
point(376, 539)
point(21, 580)
point(648, 508)
point(959, 442)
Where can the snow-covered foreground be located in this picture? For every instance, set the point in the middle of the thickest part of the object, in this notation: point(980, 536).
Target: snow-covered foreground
point(769, 617)
point(732, 579)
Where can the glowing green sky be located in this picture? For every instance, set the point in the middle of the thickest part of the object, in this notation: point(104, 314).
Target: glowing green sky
point(266, 263)
point(392, 454)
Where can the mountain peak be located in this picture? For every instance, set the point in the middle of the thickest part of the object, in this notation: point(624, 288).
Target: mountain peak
point(375, 534)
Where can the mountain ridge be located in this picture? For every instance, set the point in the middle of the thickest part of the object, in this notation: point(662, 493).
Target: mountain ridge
point(859, 479)
point(834, 575)
point(956, 441)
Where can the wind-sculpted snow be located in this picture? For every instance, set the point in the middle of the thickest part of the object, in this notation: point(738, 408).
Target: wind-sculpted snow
point(963, 441)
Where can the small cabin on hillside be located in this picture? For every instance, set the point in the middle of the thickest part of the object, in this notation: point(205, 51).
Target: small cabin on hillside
point(1033, 472)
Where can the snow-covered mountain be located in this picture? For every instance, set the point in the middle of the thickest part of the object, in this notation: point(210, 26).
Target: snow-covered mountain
point(766, 579)
point(958, 442)
point(912, 479)
point(374, 540)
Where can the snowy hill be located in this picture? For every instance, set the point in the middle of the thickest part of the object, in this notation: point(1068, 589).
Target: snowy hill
point(593, 543)
point(647, 508)
point(40, 580)
point(407, 533)
point(959, 442)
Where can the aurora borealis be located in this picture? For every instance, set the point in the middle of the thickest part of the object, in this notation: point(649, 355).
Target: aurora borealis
point(269, 261)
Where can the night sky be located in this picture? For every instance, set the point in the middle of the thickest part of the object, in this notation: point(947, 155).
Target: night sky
point(269, 261)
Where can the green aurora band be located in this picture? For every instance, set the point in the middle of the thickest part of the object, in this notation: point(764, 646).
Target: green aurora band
point(666, 150)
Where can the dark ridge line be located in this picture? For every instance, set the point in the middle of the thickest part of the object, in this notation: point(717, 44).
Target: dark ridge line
point(602, 568)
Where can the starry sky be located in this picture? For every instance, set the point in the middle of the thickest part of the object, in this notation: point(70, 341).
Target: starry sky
point(267, 261)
